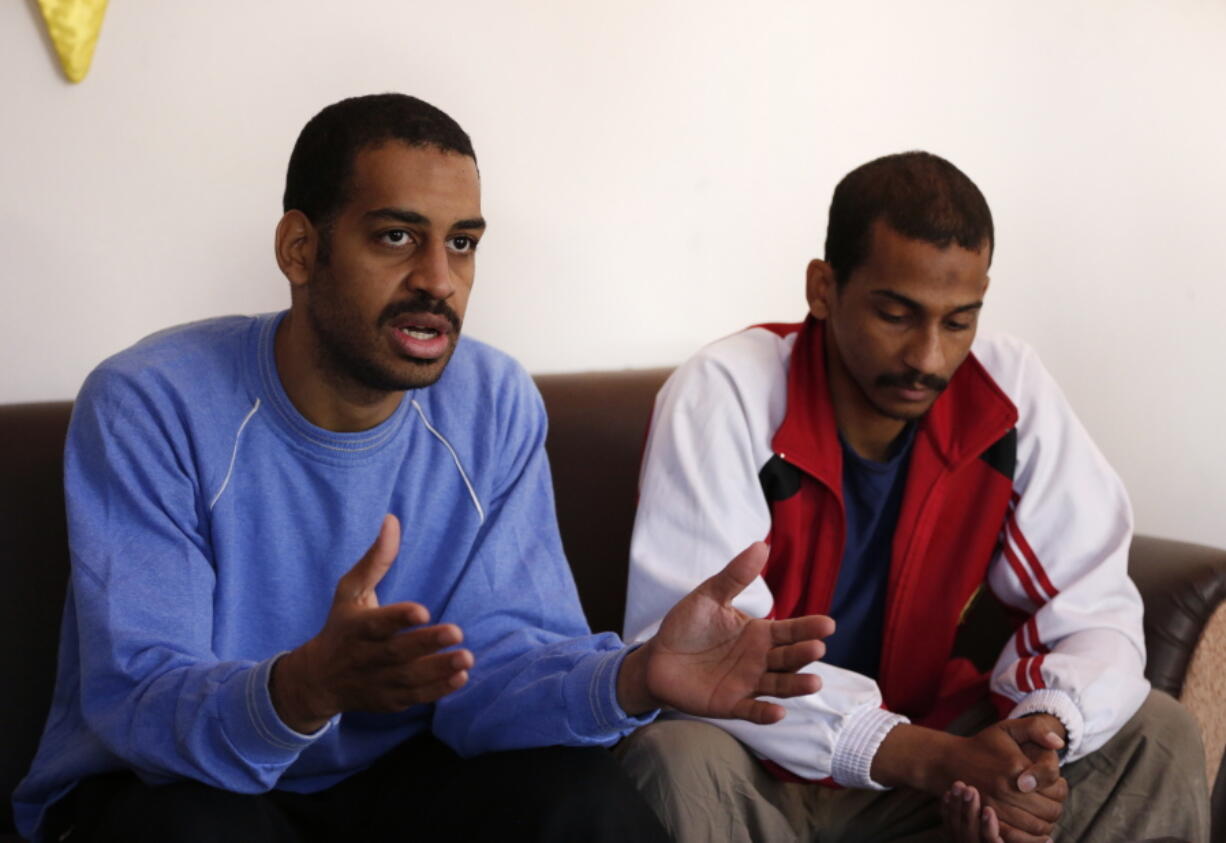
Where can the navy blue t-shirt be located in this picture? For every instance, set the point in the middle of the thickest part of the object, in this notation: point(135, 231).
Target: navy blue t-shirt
point(872, 496)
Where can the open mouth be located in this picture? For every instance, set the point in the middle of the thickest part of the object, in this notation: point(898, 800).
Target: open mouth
point(421, 325)
point(418, 333)
point(422, 336)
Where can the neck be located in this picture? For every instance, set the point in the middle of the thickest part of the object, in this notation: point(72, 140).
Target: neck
point(864, 428)
point(324, 398)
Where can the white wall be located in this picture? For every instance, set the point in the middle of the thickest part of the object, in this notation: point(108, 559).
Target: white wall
point(656, 175)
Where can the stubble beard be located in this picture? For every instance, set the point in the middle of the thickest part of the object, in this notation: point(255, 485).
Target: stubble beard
point(348, 350)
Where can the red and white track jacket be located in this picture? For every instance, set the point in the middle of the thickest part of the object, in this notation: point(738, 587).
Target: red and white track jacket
point(1005, 487)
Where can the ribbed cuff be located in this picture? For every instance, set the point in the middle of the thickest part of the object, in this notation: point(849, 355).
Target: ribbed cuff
point(591, 686)
point(857, 742)
point(1061, 706)
point(252, 722)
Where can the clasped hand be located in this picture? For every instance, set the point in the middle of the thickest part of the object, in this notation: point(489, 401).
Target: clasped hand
point(1009, 788)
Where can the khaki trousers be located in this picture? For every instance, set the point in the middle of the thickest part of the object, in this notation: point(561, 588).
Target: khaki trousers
point(1148, 781)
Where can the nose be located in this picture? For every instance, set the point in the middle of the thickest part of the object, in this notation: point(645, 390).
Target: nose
point(925, 353)
point(431, 273)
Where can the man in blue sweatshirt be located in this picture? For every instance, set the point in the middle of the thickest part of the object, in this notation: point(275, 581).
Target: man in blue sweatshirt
point(240, 662)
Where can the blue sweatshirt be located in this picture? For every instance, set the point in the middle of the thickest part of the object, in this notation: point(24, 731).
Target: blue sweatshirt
point(209, 523)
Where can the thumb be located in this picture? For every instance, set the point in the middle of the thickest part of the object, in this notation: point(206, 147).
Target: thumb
point(1034, 729)
point(362, 578)
point(1040, 774)
point(737, 574)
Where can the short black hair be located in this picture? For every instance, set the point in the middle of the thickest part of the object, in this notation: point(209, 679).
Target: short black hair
point(919, 195)
point(322, 161)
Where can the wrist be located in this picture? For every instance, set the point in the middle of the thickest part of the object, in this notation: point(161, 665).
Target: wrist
point(295, 698)
point(633, 694)
point(915, 757)
point(856, 745)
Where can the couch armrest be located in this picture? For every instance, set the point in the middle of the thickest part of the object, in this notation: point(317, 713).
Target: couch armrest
point(1184, 589)
point(1181, 585)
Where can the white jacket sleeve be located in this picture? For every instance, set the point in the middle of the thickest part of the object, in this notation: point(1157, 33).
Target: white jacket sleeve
point(1063, 561)
point(701, 504)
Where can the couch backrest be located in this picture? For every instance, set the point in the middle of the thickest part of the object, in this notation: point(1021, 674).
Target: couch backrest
point(597, 427)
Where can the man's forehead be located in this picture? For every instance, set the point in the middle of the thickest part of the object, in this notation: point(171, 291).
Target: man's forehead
point(439, 186)
point(895, 254)
point(922, 275)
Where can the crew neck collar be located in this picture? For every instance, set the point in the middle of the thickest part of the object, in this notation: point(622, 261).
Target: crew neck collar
point(304, 432)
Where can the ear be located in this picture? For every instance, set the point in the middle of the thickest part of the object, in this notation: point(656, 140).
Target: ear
point(295, 245)
point(820, 287)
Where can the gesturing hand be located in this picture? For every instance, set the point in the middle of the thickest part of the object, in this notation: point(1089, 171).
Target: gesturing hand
point(364, 659)
point(712, 660)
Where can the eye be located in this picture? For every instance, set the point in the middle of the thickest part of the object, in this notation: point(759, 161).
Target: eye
point(890, 318)
point(395, 237)
point(463, 244)
point(955, 325)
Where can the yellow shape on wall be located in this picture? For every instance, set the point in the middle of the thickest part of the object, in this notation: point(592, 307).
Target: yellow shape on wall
point(74, 26)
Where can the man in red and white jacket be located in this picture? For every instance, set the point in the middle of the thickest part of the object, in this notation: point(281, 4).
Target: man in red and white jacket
point(901, 471)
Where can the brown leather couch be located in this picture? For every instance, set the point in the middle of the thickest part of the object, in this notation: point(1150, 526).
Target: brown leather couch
point(597, 422)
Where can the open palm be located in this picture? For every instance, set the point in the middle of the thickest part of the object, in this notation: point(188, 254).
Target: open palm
point(712, 660)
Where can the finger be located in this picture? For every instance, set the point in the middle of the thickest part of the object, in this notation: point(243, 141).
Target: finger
point(386, 621)
point(758, 711)
point(434, 691)
point(1032, 812)
point(417, 643)
point(362, 578)
point(804, 628)
point(1029, 820)
point(1051, 804)
point(970, 813)
point(957, 816)
point(430, 670)
point(1057, 791)
point(736, 575)
point(794, 656)
point(1053, 741)
point(1036, 729)
point(788, 684)
point(991, 826)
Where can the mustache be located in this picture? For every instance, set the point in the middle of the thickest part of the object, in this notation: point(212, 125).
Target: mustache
point(422, 303)
point(913, 380)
